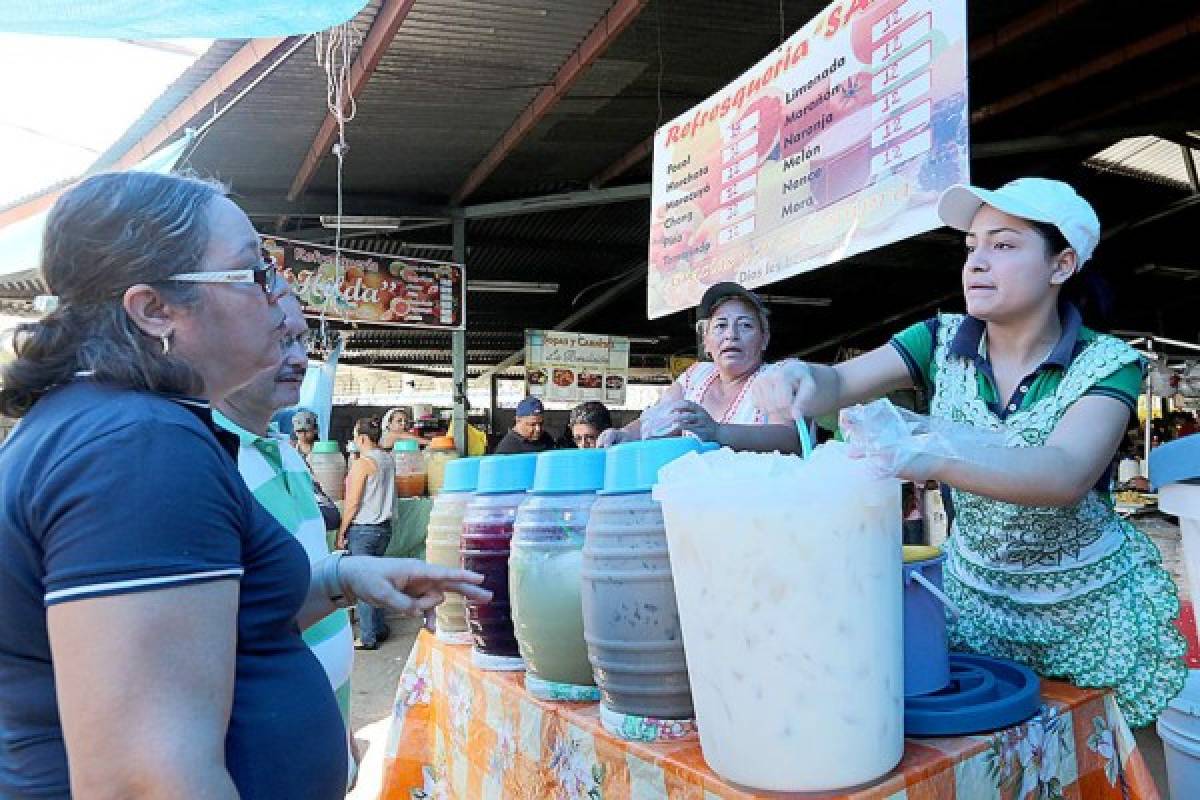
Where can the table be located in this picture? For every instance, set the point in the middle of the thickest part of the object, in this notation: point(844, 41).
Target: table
point(459, 733)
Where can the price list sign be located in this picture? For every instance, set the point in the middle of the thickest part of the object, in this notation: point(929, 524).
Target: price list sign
point(838, 142)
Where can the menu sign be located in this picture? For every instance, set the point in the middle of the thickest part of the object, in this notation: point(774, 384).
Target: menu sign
point(374, 288)
point(573, 367)
point(838, 142)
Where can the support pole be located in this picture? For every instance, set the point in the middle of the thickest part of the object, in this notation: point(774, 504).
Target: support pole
point(458, 349)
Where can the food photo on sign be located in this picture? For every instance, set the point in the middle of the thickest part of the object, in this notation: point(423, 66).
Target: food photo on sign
point(373, 288)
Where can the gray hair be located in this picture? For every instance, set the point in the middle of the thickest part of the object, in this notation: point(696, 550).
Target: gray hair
point(108, 233)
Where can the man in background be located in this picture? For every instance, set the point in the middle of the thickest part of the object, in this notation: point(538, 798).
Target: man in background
point(528, 434)
point(304, 431)
point(279, 479)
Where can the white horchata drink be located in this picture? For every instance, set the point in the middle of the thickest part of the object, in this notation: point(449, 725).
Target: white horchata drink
point(788, 578)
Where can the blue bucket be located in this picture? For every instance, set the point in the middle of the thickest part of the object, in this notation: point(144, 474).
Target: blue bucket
point(926, 652)
point(569, 471)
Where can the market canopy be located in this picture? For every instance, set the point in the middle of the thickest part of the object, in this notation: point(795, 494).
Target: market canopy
point(532, 121)
point(171, 19)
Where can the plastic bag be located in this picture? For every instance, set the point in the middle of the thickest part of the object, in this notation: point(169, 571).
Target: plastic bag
point(891, 438)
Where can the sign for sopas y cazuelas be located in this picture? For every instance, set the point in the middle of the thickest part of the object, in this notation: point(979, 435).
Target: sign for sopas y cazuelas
point(374, 288)
point(838, 142)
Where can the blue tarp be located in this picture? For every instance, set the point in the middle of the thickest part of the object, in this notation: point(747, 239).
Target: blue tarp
point(174, 19)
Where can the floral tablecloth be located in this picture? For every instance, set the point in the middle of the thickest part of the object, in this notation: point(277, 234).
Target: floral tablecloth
point(461, 733)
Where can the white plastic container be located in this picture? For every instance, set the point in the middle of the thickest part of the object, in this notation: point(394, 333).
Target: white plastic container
point(1183, 500)
point(329, 469)
point(792, 615)
point(1179, 727)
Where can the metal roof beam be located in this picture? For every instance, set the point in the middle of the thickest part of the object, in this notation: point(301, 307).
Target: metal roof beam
point(557, 202)
point(593, 46)
point(987, 43)
point(389, 19)
point(624, 163)
point(1166, 37)
point(1066, 141)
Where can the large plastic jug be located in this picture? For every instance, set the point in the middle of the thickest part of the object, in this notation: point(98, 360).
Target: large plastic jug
point(787, 577)
point(443, 542)
point(544, 574)
point(487, 534)
point(631, 623)
point(410, 468)
point(439, 453)
point(329, 469)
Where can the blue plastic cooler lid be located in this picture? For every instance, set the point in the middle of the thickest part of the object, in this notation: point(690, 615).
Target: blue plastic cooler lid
point(506, 474)
point(985, 694)
point(461, 475)
point(569, 471)
point(1175, 462)
point(633, 466)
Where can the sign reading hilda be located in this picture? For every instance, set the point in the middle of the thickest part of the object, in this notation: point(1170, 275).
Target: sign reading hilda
point(838, 142)
point(373, 288)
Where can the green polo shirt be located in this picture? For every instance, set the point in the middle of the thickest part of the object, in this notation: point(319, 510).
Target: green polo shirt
point(916, 345)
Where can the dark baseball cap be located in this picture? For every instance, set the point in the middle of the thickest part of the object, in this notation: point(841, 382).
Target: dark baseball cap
point(720, 292)
point(530, 407)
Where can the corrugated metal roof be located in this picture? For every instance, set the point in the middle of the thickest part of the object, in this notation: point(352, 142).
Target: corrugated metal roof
point(1149, 158)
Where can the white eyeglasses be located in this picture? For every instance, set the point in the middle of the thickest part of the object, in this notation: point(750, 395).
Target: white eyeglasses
point(265, 276)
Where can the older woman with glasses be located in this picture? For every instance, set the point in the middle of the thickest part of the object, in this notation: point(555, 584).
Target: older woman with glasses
point(150, 608)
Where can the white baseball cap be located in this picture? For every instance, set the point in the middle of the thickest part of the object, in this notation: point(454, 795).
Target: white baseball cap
point(1035, 199)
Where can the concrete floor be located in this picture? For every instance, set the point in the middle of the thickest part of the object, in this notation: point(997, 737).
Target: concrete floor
point(374, 681)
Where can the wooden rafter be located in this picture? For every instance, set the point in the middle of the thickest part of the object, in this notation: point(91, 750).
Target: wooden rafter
point(593, 46)
point(389, 19)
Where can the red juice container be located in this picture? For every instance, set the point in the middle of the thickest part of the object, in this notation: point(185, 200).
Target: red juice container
point(487, 535)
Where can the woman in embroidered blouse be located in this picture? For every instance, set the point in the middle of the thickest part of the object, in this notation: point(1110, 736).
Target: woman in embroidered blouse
point(1041, 567)
point(713, 400)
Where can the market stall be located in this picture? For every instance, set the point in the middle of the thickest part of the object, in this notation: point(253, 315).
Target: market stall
point(458, 731)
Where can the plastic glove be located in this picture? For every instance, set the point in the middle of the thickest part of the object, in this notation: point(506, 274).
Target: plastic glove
point(613, 436)
point(898, 443)
point(662, 419)
point(784, 389)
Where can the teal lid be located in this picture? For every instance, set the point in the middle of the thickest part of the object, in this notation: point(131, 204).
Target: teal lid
point(506, 474)
point(569, 471)
point(325, 447)
point(406, 446)
point(633, 466)
point(461, 475)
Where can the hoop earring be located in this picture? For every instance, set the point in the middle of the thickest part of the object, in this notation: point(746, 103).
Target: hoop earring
point(166, 343)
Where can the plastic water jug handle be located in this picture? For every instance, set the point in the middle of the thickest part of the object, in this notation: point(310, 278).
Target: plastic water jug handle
point(935, 591)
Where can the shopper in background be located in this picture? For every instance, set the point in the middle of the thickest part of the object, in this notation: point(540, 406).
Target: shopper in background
point(587, 421)
point(528, 434)
point(304, 433)
point(367, 516)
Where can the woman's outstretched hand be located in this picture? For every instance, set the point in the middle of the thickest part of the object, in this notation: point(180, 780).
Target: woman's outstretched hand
point(406, 585)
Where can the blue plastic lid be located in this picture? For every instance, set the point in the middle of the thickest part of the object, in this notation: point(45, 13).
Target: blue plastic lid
point(406, 446)
point(985, 694)
point(461, 475)
point(1175, 462)
point(633, 466)
point(569, 471)
point(505, 474)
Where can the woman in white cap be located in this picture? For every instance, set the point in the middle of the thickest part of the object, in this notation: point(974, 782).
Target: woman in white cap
point(1041, 567)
